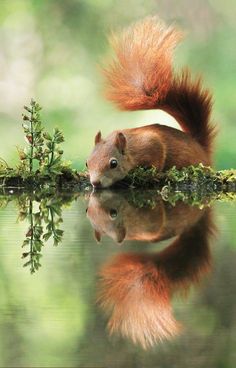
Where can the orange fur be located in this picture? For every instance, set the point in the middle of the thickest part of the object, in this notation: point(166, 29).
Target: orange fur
point(141, 78)
point(135, 290)
point(141, 74)
point(191, 106)
point(136, 296)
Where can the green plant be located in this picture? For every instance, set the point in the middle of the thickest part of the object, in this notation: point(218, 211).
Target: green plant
point(43, 155)
point(41, 162)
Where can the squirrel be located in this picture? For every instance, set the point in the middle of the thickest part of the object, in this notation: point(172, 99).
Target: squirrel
point(140, 78)
point(136, 289)
point(110, 213)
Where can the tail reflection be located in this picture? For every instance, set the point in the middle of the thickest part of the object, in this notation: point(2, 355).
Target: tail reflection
point(136, 289)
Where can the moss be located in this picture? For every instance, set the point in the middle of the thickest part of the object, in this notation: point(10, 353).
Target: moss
point(186, 178)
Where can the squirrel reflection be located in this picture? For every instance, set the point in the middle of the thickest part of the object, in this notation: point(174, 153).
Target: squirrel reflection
point(112, 214)
point(136, 289)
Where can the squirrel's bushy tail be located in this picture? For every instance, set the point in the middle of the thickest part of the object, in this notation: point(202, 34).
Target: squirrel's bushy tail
point(141, 77)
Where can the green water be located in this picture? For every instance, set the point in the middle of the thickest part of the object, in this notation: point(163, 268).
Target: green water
point(165, 303)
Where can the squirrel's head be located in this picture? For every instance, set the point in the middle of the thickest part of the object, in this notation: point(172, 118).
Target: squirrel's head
point(106, 214)
point(108, 162)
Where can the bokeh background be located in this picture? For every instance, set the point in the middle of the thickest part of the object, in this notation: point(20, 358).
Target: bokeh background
point(51, 50)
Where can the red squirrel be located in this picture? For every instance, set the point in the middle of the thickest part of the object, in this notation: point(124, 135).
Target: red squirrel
point(136, 290)
point(111, 214)
point(141, 77)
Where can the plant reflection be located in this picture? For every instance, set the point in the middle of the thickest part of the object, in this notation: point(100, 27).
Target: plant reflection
point(44, 223)
point(43, 212)
point(136, 290)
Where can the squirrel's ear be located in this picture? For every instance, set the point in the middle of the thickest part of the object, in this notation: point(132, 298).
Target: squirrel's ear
point(97, 235)
point(120, 142)
point(98, 137)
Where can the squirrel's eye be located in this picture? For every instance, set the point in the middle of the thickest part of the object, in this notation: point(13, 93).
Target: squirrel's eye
point(113, 213)
point(113, 163)
point(86, 163)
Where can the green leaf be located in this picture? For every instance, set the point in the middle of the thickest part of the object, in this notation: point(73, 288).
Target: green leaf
point(46, 236)
point(27, 264)
point(47, 136)
point(25, 242)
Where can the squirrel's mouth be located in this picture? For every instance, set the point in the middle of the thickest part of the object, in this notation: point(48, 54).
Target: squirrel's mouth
point(99, 186)
point(102, 183)
point(96, 185)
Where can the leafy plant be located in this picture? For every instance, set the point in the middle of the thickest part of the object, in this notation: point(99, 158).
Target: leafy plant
point(41, 161)
point(43, 155)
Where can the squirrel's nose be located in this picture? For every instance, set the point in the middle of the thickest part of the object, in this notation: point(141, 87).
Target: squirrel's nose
point(96, 184)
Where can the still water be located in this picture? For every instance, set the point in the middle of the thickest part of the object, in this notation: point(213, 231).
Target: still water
point(103, 280)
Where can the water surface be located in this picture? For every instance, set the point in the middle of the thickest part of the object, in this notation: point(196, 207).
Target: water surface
point(122, 283)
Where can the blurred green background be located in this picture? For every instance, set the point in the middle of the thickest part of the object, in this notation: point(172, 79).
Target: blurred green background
point(51, 50)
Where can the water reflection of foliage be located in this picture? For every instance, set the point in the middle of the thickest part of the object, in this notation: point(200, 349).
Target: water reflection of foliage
point(199, 197)
point(43, 212)
point(43, 225)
